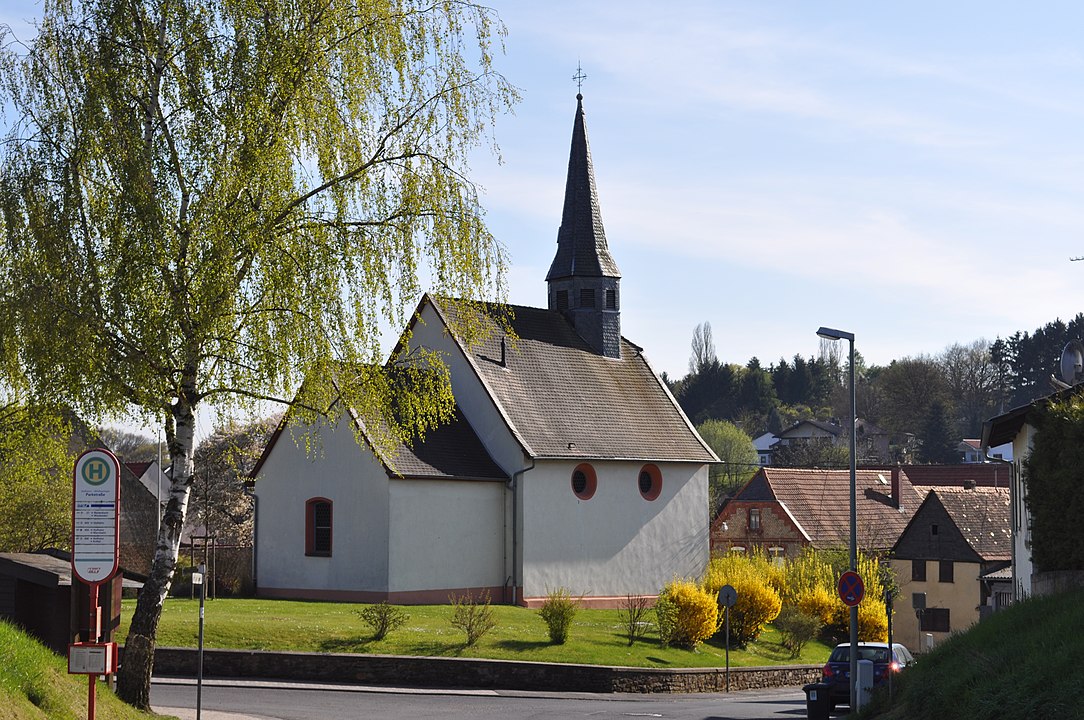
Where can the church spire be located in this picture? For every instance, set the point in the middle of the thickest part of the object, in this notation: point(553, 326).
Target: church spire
point(583, 278)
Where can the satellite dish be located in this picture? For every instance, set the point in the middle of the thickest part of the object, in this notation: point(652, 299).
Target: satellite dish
point(1072, 362)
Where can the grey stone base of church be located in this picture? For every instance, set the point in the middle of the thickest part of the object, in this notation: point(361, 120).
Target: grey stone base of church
point(401, 671)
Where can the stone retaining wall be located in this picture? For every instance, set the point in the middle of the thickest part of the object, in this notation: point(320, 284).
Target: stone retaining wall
point(432, 672)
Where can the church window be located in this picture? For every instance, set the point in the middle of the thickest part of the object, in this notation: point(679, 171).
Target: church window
point(318, 527)
point(562, 299)
point(650, 482)
point(584, 481)
point(587, 297)
point(611, 299)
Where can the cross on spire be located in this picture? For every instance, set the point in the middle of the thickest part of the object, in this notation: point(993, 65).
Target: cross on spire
point(579, 77)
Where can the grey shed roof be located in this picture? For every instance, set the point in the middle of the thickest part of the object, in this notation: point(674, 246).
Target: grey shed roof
point(581, 240)
point(561, 399)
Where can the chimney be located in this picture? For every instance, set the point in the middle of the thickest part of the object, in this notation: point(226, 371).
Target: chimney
point(896, 488)
point(969, 484)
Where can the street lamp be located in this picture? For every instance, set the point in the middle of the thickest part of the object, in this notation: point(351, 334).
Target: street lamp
point(830, 334)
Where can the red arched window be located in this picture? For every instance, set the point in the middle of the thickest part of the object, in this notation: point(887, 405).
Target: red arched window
point(318, 527)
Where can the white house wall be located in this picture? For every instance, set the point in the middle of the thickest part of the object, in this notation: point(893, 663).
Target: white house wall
point(616, 543)
point(447, 538)
point(348, 475)
point(1021, 518)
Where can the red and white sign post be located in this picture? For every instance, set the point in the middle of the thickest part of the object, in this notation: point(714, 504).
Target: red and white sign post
point(95, 556)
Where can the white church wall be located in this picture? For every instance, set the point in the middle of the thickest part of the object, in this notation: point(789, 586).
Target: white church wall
point(447, 536)
point(348, 475)
point(617, 542)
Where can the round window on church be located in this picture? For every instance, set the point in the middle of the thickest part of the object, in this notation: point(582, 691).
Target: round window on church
point(650, 482)
point(584, 481)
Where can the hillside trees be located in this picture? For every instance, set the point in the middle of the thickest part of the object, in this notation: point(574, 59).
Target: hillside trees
point(738, 459)
point(204, 201)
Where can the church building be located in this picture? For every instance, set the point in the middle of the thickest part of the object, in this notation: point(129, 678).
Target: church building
point(568, 464)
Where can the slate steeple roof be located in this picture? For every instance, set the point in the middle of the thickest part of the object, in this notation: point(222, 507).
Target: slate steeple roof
point(581, 242)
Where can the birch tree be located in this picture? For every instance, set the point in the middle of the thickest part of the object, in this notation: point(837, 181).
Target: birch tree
point(205, 201)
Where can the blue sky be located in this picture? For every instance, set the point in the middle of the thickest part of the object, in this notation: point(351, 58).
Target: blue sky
point(911, 172)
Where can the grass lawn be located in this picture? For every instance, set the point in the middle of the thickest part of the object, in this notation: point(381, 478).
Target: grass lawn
point(596, 636)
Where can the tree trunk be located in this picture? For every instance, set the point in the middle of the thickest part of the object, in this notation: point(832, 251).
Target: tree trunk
point(134, 674)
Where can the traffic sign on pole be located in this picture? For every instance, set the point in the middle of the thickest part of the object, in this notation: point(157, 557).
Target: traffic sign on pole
point(851, 588)
point(95, 517)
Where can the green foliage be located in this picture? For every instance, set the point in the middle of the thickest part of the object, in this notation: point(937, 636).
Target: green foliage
point(797, 628)
point(938, 436)
point(633, 616)
point(203, 202)
point(558, 611)
point(692, 614)
point(472, 617)
point(36, 462)
point(666, 617)
point(1054, 477)
point(383, 618)
point(735, 450)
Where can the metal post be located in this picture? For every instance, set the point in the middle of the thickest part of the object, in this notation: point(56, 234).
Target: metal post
point(727, 648)
point(93, 631)
point(199, 654)
point(854, 537)
point(891, 649)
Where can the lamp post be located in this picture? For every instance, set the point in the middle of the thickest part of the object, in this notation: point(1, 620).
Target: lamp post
point(830, 334)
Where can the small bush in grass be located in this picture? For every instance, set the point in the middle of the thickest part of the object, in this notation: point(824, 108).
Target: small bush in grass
point(383, 618)
point(633, 612)
point(472, 617)
point(665, 619)
point(797, 628)
point(557, 611)
point(696, 614)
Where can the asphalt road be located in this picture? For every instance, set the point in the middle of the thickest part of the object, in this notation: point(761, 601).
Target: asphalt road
point(241, 700)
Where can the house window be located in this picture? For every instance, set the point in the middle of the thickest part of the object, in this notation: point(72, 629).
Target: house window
point(584, 481)
point(935, 620)
point(587, 297)
point(933, 529)
point(918, 570)
point(650, 481)
point(562, 299)
point(944, 573)
point(754, 518)
point(611, 299)
point(318, 527)
point(737, 549)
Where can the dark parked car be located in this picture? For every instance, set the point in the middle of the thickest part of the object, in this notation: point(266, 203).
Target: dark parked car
point(837, 671)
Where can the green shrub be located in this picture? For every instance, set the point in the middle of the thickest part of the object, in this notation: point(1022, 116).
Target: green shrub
point(472, 617)
point(557, 611)
point(797, 628)
point(665, 619)
point(383, 618)
point(695, 616)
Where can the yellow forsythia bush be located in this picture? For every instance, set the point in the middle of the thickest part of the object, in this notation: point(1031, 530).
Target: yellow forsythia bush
point(817, 602)
point(872, 621)
point(695, 613)
point(757, 605)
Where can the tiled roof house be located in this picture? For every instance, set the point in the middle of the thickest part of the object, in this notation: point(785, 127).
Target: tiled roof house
point(782, 510)
point(569, 464)
point(949, 561)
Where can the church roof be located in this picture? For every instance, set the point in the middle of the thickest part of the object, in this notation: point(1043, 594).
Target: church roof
point(563, 400)
point(581, 240)
point(451, 451)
